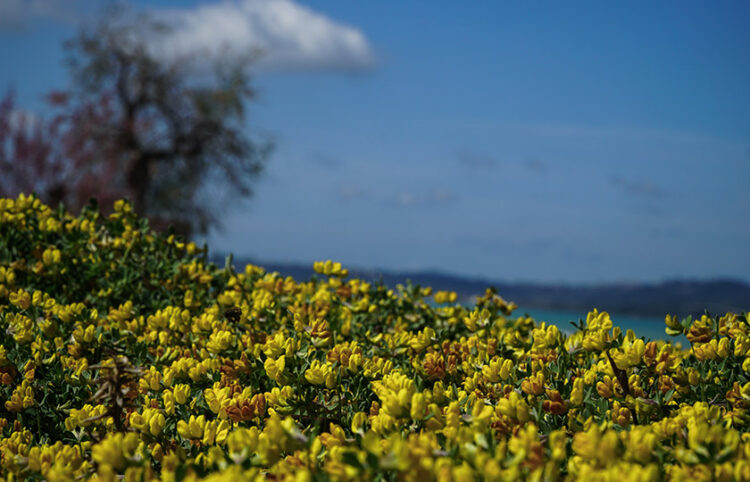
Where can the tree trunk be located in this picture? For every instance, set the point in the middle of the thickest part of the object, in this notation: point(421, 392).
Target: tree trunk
point(139, 181)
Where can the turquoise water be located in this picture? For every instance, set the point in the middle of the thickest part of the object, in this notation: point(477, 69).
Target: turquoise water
point(649, 327)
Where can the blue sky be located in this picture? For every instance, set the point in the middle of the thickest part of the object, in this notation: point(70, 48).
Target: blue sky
point(610, 142)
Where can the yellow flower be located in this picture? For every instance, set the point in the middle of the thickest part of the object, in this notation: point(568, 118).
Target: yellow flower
point(709, 351)
point(358, 421)
point(605, 388)
point(673, 325)
point(193, 428)
point(423, 339)
point(218, 399)
point(320, 373)
point(620, 415)
point(51, 256)
point(640, 443)
point(156, 423)
point(395, 391)
point(115, 450)
point(418, 406)
point(498, 369)
point(181, 393)
point(21, 327)
point(21, 398)
point(85, 416)
point(220, 341)
point(576, 395)
point(480, 414)
point(477, 319)
point(21, 299)
point(534, 384)
point(526, 447)
point(546, 337)
point(596, 444)
point(242, 442)
point(445, 297)
point(149, 421)
point(557, 440)
point(168, 400)
point(138, 421)
point(275, 368)
point(329, 268)
point(514, 407)
point(122, 206)
point(150, 380)
point(630, 353)
point(596, 340)
point(597, 320)
point(216, 431)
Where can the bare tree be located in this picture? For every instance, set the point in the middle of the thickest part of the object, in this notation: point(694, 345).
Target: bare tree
point(170, 134)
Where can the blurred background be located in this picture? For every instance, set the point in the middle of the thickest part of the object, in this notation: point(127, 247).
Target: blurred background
point(565, 155)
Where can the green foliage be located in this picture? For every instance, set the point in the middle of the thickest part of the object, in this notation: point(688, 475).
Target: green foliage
point(123, 352)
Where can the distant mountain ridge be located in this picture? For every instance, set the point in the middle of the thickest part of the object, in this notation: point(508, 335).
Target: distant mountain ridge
point(679, 297)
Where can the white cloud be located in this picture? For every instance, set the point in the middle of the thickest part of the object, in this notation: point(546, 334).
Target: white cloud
point(279, 34)
point(288, 36)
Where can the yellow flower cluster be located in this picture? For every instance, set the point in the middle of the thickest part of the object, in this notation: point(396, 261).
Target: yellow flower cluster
point(127, 354)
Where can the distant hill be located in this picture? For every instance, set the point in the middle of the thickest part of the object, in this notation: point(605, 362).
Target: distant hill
point(680, 297)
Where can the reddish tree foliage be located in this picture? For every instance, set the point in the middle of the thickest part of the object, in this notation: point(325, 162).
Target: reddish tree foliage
point(52, 158)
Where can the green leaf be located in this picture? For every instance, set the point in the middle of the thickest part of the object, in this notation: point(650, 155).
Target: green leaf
point(350, 458)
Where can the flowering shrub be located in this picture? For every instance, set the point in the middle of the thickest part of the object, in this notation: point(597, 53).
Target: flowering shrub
point(125, 353)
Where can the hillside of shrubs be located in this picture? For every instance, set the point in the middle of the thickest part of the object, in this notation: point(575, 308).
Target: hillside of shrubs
point(124, 353)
